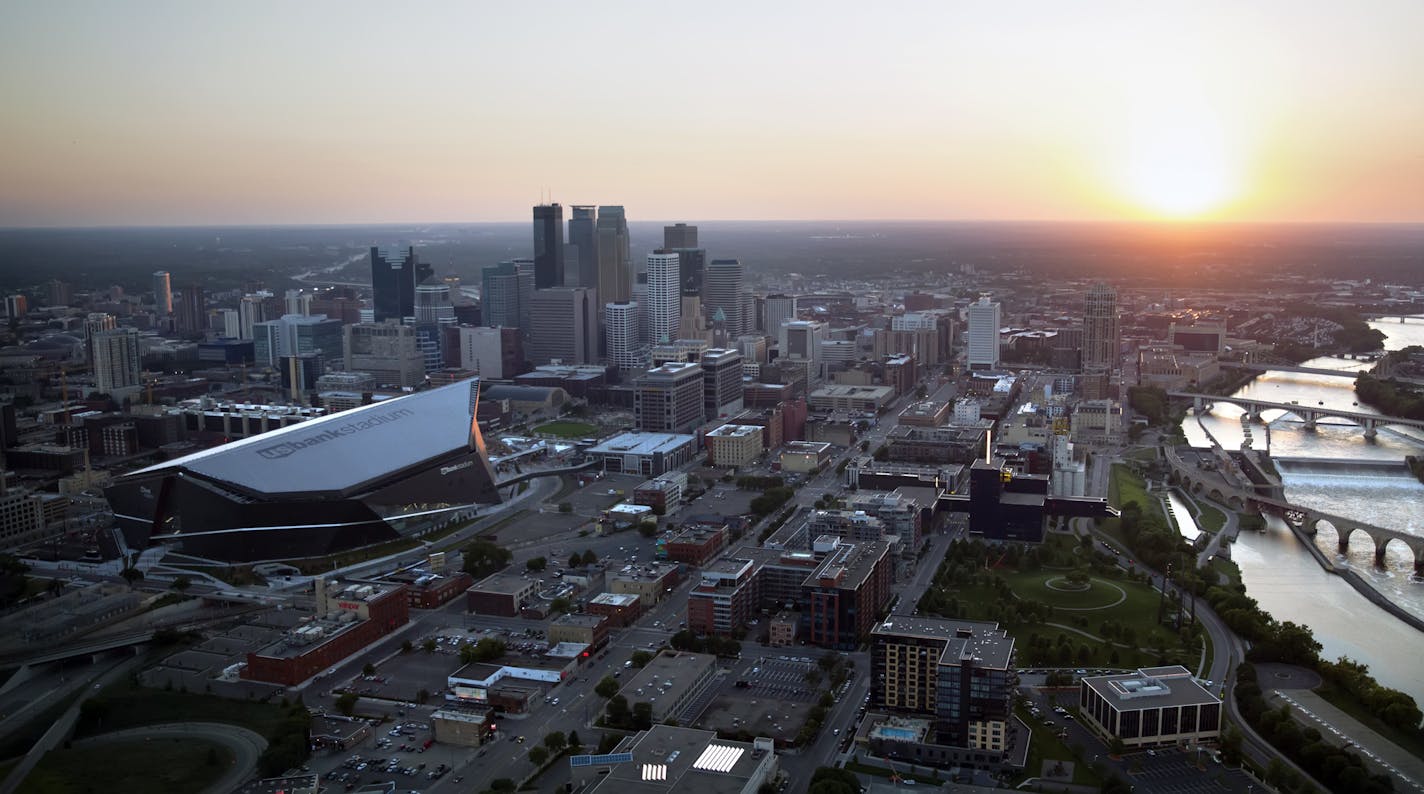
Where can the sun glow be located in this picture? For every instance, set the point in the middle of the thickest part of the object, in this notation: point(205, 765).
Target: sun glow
point(1179, 163)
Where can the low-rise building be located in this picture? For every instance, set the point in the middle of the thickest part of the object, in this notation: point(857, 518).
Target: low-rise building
point(429, 590)
point(855, 399)
point(805, 456)
point(694, 544)
point(621, 609)
point(665, 759)
point(649, 581)
point(349, 617)
point(670, 682)
point(781, 632)
point(956, 444)
point(502, 593)
point(925, 413)
point(648, 454)
point(1153, 706)
point(734, 445)
point(1097, 422)
point(661, 493)
point(581, 629)
point(470, 727)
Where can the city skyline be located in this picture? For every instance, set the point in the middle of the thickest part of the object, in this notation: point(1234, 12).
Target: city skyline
point(272, 114)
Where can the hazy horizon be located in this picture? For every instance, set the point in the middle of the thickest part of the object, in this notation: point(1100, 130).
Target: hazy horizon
point(159, 113)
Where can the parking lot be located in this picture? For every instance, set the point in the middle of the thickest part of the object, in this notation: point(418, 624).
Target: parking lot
point(775, 700)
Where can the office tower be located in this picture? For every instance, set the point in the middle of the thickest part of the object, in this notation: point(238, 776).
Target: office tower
point(232, 324)
point(679, 235)
point(17, 306)
point(339, 303)
point(297, 302)
point(982, 339)
point(492, 352)
point(548, 246)
point(565, 326)
point(506, 291)
point(664, 297)
point(583, 234)
point(297, 335)
point(721, 382)
point(615, 258)
point(162, 293)
point(776, 309)
point(386, 350)
point(626, 350)
point(693, 324)
point(191, 314)
point(433, 313)
point(393, 279)
point(722, 289)
point(801, 339)
point(1100, 329)
point(958, 673)
point(116, 360)
point(669, 398)
point(61, 293)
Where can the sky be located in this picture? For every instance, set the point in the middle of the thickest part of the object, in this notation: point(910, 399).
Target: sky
point(193, 113)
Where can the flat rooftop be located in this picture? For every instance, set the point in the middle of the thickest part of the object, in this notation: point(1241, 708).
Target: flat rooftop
point(689, 761)
point(580, 620)
point(982, 640)
point(342, 451)
point(735, 431)
point(851, 563)
point(507, 582)
point(667, 678)
point(1153, 687)
point(641, 444)
point(615, 599)
point(641, 572)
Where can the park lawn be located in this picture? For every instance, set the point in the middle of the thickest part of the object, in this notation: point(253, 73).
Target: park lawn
point(567, 429)
point(1046, 746)
point(131, 706)
point(1125, 486)
point(1229, 568)
point(159, 766)
point(1211, 519)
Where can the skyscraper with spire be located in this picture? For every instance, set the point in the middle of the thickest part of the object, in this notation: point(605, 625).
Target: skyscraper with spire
point(615, 259)
point(548, 246)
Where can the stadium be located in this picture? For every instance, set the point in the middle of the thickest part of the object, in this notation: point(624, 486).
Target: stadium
point(350, 479)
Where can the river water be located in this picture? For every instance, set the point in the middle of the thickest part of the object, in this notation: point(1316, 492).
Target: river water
point(1279, 573)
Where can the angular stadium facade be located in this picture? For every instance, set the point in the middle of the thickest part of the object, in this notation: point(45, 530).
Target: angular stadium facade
point(350, 479)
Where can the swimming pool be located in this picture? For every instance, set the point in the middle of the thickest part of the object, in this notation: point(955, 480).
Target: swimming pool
point(898, 734)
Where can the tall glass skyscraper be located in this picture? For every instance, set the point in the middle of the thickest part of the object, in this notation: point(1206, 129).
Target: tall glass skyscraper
point(393, 279)
point(1100, 329)
point(722, 289)
point(615, 258)
point(548, 246)
point(583, 236)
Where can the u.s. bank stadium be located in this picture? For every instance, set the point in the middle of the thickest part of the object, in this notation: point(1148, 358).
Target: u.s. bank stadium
point(350, 479)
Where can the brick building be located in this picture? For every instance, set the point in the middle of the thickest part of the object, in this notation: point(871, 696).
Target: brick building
point(694, 544)
point(349, 617)
point(621, 609)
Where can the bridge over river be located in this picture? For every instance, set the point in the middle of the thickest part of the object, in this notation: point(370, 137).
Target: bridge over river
point(1306, 519)
point(1310, 415)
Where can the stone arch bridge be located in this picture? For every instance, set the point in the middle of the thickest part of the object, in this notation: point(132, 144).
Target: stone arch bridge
point(1308, 520)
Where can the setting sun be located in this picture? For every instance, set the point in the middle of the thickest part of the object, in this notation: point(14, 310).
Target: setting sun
point(1179, 163)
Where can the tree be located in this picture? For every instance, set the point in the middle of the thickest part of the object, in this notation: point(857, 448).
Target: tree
point(483, 558)
point(559, 605)
point(574, 743)
point(428, 646)
point(618, 711)
point(502, 784)
point(346, 703)
point(538, 755)
point(368, 669)
point(641, 658)
point(642, 716)
point(486, 650)
point(537, 563)
point(566, 507)
point(648, 529)
point(556, 741)
point(606, 688)
point(575, 560)
point(589, 558)
point(833, 780)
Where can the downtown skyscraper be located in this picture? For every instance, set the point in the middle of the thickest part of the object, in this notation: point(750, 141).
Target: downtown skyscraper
point(393, 279)
point(722, 290)
point(548, 246)
point(163, 293)
point(615, 258)
point(1101, 343)
point(982, 338)
point(664, 298)
point(583, 240)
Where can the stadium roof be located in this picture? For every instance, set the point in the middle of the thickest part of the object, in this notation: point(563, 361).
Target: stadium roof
point(341, 451)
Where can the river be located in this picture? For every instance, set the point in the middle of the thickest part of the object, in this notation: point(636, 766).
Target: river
point(1280, 574)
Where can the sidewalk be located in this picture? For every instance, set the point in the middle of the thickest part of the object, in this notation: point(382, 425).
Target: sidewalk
point(1338, 727)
